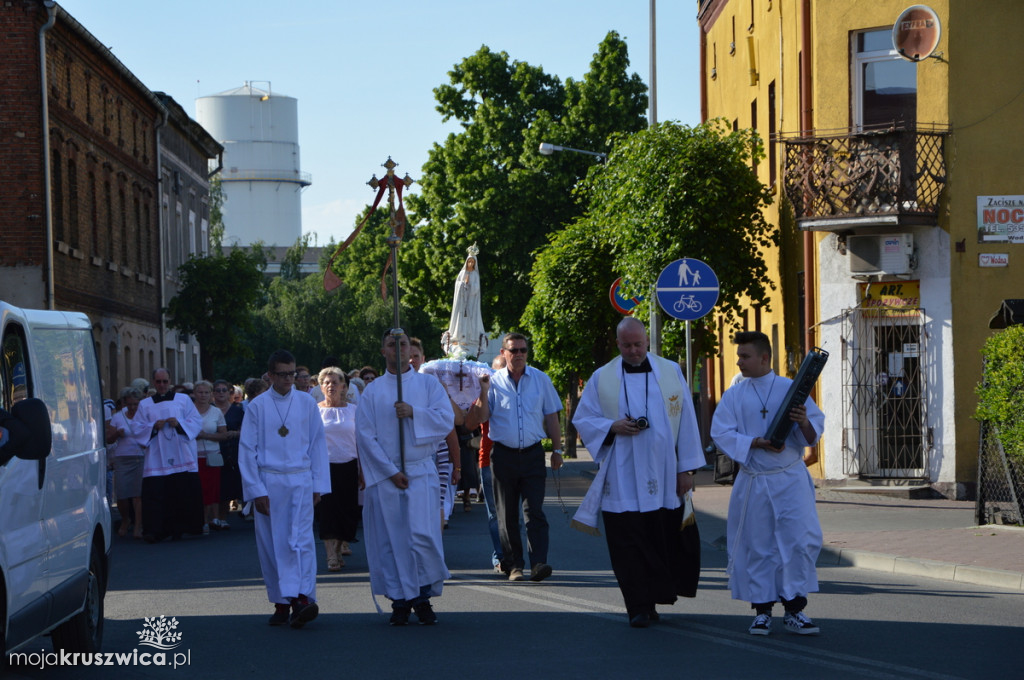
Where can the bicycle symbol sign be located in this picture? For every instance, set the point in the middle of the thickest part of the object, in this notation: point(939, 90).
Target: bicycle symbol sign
point(687, 289)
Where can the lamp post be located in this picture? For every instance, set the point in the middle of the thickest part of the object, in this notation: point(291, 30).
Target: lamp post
point(547, 149)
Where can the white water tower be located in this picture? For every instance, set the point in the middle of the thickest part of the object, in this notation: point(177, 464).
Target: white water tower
point(261, 177)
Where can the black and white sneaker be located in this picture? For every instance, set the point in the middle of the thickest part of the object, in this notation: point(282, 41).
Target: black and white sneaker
point(800, 624)
point(762, 625)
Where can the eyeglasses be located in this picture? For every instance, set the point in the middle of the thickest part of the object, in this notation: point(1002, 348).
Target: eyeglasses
point(284, 374)
point(220, 389)
point(516, 350)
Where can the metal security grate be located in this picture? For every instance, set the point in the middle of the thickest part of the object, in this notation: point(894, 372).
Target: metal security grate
point(1000, 482)
point(885, 432)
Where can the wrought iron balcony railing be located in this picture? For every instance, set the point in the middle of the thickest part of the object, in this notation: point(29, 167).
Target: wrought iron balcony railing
point(889, 173)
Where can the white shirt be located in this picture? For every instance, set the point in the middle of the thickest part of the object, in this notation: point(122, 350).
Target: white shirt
point(340, 432)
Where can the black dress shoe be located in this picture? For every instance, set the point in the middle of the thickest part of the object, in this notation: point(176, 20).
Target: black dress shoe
point(653, 615)
point(640, 621)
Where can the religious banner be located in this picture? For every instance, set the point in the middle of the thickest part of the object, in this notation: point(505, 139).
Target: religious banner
point(890, 299)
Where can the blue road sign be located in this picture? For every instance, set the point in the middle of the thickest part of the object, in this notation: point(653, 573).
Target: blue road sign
point(687, 289)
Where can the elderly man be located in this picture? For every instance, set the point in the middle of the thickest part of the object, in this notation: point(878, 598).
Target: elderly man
point(403, 536)
point(523, 408)
point(166, 425)
point(636, 418)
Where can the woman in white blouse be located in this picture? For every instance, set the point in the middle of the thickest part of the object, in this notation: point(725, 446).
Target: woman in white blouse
point(128, 459)
point(208, 441)
point(339, 510)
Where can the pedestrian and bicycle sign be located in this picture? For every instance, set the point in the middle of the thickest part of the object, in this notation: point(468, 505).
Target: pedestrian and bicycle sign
point(687, 289)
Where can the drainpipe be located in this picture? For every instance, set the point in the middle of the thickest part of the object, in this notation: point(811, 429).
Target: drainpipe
point(807, 128)
point(51, 9)
point(160, 230)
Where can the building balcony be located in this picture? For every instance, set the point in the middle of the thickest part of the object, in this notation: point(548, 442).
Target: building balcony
point(856, 181)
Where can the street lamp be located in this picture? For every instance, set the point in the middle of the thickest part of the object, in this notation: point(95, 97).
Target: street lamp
point(547, 149)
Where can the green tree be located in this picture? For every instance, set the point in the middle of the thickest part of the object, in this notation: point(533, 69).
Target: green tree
point(570, 318)
point(216, 301)
point(487, 184)
point(1002, 388)
point(216, 200)
point(675, 191)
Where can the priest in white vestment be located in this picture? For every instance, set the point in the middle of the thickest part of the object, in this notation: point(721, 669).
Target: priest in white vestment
point(773, 534)
point(403, 537)
point(636, 418)
point(282, 456)
point(166, 425)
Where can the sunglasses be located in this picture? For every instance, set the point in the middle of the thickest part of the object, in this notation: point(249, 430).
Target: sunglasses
point(516, 350)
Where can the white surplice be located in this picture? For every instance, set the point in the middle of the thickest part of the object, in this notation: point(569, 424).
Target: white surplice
point(774, 536)
point(640, 470)
point(288, 470)
point(402, 527)
point(168, 451)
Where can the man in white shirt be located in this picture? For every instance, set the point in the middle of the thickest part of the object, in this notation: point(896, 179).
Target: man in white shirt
point(636, 418)
point(523, 408)
point(282, 455)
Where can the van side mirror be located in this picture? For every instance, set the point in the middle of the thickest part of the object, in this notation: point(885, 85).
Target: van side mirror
point(29, 427)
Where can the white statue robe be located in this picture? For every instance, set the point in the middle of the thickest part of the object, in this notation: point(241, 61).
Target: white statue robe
point(169, 451)
point(639, 472)
point(402, 530)
point(288, 470)
point(774, 536)
point(466, 324)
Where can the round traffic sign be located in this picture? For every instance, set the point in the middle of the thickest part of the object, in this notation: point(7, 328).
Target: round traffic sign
point(687, 289)
point(622, 305)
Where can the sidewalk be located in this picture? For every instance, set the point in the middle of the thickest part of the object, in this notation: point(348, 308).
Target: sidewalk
point(931, 538)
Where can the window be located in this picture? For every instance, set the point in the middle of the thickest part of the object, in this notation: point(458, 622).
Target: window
point(884, 84)
point(72, 203)
point(57, 199)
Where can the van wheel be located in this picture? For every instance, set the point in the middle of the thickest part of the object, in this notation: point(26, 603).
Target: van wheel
point(84, 631)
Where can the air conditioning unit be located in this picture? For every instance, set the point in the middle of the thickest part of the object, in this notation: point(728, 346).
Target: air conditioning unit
point(881, 254)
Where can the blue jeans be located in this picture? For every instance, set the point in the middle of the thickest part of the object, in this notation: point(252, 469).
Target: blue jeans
point(492, 514)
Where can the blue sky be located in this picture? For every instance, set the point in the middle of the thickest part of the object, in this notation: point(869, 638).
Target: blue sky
point(364, 73)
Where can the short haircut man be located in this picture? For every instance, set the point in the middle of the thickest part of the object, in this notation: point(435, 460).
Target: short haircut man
point(282, 455)
point(523, 409)
point(774, 536)
point(636, 418)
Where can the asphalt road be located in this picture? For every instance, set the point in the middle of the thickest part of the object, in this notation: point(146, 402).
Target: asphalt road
point(573, 625)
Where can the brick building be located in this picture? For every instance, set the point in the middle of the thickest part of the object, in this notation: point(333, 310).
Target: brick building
point(81, 141)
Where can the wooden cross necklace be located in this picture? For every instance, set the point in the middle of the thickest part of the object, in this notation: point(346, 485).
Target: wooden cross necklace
point(764, 402)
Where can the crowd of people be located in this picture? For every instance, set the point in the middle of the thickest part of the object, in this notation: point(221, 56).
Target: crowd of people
point(295, 449)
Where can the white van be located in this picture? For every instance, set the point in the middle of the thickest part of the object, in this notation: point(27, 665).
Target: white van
point(54, 514)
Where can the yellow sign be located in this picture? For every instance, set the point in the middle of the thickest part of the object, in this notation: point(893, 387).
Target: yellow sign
point(890, 298)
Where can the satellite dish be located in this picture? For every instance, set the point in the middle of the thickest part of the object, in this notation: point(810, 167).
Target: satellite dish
point(916, 33)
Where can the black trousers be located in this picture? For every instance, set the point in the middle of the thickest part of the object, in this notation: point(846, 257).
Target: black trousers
point(649, 558)
point(339, 509)
point(172, 505)
point(520, 476)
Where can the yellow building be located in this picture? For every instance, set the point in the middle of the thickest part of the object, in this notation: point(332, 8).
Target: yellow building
point(899, 182)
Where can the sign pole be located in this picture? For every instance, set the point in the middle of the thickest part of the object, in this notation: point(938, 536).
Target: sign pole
point(689, 358)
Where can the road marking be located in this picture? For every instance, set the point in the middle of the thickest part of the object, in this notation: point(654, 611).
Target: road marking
point(712, 634)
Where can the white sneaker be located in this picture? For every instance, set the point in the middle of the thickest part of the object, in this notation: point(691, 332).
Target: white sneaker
point(762, 625)
point(800, 624)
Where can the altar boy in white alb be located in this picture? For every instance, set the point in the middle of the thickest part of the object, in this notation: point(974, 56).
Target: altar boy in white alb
point(773, 536)
point(282, 455)
point(636, 418)
point(403, 536)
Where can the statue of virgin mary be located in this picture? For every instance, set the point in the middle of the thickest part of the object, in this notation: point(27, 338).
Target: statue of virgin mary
point(466, 327)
